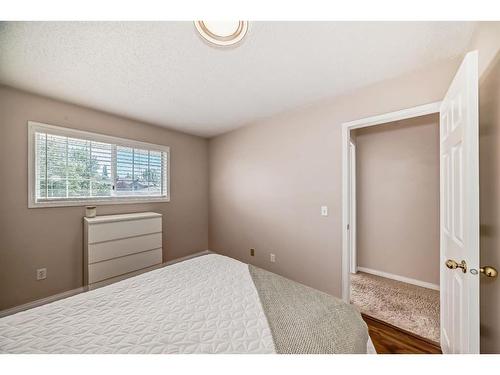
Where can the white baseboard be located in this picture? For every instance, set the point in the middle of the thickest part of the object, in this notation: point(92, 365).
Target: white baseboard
point(72, 292)
point(387, 275)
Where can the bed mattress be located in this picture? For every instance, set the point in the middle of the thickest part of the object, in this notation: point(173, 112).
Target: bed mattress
point(207, 304)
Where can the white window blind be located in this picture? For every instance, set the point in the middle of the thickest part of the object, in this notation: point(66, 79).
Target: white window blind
point(80, 167)
point(138, 172)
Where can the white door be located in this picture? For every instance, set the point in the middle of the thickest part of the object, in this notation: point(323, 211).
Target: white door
point(459, 168)
point(352, 208)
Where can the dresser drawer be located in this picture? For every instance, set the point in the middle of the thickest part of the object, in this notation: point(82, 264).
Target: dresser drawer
point(119, 266)
point(123, 229)
point(125, 246)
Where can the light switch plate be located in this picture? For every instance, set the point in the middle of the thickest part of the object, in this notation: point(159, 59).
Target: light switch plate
point(324, 210)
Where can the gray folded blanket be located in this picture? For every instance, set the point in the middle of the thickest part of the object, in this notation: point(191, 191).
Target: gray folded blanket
point(304, 320)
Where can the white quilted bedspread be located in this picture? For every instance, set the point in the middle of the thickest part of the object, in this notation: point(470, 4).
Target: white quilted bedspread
point(204, 305)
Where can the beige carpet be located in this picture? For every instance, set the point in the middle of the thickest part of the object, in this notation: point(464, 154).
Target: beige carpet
point(403, 305)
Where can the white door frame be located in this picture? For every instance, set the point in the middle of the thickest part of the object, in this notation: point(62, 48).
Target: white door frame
point(352, 213)
point(404, 114)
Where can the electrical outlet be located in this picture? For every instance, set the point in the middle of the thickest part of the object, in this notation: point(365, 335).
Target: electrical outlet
point(41, 273)
point(252, 252)
point(272, 258)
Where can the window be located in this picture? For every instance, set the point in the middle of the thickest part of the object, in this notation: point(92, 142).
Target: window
point(69, 168)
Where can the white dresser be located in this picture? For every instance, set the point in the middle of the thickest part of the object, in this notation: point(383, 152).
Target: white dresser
point(116, 245)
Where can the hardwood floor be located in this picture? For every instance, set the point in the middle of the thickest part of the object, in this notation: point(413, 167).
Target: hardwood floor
point(389, 339)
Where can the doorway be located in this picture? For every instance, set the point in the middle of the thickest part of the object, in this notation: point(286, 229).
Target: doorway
point(393, 223)
point(459, 205)
point(395, 238)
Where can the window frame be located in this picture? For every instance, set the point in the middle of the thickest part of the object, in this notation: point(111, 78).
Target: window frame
point(34, 127)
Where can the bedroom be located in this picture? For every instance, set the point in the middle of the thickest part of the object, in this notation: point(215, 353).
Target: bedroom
point(158, 167)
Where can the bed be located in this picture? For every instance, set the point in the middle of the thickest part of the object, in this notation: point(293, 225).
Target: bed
point(208, 304)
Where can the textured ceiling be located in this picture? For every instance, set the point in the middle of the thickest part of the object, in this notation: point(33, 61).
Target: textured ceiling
point(163, 73)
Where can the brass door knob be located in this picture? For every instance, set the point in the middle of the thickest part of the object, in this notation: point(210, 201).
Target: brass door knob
point(489, 271)
point(451, 264)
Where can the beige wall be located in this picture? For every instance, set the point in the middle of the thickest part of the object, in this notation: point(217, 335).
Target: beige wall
point(267, 181)
point(489, 180)
point(397, 178)
point(52, 237)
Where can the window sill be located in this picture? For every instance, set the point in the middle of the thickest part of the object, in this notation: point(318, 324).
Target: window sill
point(96, 202)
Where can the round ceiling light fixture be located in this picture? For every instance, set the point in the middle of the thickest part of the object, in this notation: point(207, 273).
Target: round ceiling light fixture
point(222, 33)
